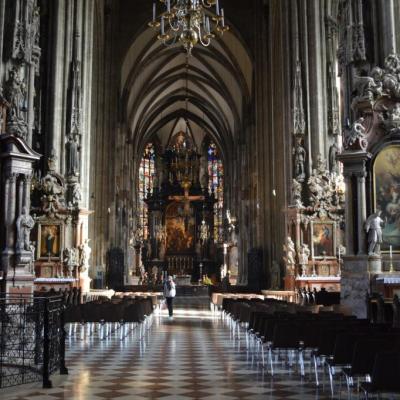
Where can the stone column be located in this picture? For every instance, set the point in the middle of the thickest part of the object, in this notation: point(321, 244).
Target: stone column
point(20, 195)
point(389, 27)
point(349, 214)
point(361, 212)
point(10, 215)
point(27, 191)
point(31, 97)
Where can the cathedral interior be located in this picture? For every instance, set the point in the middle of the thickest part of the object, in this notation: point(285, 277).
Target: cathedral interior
point(250, 150)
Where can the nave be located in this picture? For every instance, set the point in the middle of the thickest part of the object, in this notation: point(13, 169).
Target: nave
point(193, 356)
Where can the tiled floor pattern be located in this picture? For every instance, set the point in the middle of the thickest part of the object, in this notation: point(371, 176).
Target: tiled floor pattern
point(190, 357)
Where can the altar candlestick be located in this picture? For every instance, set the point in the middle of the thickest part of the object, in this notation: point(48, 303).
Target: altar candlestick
point(390, 252)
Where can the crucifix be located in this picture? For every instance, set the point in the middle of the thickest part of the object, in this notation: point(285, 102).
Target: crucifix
point(186, 199)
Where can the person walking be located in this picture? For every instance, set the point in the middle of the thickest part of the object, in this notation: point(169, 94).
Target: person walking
point(169, 294)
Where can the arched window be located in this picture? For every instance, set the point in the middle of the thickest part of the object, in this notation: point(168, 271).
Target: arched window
point(216, 184)
point(146, 174)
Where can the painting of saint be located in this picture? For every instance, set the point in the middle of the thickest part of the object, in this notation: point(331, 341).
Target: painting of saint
point(50, 241)
point(387, 194)
point(323, 237)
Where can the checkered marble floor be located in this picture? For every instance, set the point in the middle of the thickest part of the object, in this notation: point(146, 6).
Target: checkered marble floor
point(192, 356)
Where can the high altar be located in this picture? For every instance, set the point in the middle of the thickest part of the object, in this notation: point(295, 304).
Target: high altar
point(180, 215)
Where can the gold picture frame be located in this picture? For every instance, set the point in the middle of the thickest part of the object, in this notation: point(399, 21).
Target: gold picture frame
point(50, 241)
point(323, 240)
point(386, 194)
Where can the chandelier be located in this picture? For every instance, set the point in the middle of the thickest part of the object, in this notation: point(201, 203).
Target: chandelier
point(189, 22)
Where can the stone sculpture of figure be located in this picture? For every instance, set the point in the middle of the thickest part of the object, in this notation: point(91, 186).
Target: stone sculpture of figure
point(275, 276)
point(24, 223)
point(84, 255)
point(356, 133)
point(290, 251)
point(69, 256)
point(373, 226)
point(72, 156)
point(76, 193)
point(296, 193)
point(304, 255)
point(15, 95)
point(367, 87)
point(300, 155)
point(333, 152)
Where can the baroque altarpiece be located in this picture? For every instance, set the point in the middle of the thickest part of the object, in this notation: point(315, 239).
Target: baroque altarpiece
point(179, 232)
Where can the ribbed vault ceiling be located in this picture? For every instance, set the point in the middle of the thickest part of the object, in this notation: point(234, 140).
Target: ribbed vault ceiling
point(162, 88)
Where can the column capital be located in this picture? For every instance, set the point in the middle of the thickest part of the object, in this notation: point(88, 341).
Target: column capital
point(360, 174)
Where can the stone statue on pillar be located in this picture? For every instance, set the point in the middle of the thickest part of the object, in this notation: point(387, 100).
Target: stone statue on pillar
point(333, 164)
point(72, 150)
point(373, 226)
point(300, 155)
point(15, 94)
point(25, 224)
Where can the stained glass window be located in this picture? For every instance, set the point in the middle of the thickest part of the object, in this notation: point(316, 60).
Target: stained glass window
point(146, 175)
point(216, 184)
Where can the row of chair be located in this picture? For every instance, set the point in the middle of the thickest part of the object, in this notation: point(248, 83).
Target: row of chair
point(69, 295)
point(105, 317)
point(321, 297)
point(381, 311)
point(331, 341)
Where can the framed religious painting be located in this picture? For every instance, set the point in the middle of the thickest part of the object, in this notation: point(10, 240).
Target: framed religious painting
point(50, 241)
point(323, 236)
point(386, 175)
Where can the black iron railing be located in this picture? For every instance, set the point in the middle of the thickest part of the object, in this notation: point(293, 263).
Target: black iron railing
point(32, 340)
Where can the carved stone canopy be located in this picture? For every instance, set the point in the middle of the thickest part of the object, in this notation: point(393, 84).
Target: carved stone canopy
point(16, 156)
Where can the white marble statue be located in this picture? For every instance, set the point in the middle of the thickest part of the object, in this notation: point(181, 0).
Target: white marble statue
point(304, 255)
point(84, 255)
point(373, 226)
point(290, 251)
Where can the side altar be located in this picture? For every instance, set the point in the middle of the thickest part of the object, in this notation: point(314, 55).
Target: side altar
point(314, 250)
point(61, 258)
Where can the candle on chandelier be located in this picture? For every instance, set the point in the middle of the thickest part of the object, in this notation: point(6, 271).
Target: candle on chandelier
point(168, 5)
point(208, 25)
point(154, 11)
point(223, 17)
point(162, 25)
point(217, 7)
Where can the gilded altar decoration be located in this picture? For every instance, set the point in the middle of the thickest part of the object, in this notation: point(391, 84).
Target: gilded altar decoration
point(179, 239)
point(386, 171)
